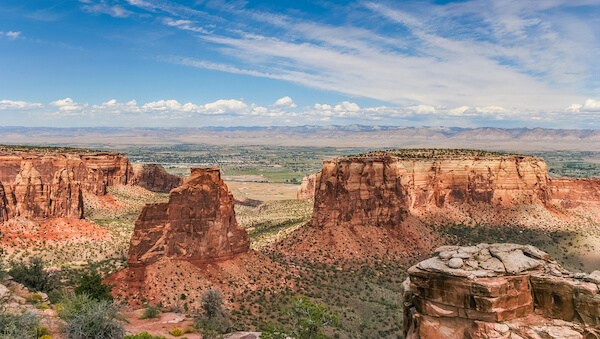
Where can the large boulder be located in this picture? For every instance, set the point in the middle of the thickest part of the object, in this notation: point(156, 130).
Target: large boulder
point(499, 291)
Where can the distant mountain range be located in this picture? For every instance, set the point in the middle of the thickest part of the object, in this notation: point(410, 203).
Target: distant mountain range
point(335, 136)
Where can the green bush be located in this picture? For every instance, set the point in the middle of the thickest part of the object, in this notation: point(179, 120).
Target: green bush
point(87, 318)
point(18, 326)
point(31, 273)
point(216, 319)
point(91, 284)
point(150, 312)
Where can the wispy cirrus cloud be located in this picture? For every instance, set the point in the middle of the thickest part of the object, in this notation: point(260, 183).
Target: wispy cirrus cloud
point(498, 53)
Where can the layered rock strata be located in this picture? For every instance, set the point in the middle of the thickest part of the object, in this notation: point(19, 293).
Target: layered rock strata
point(308, 186)
point(154, 178)
point(95, 171)
point(380, 189)
point(197, 224)
point(51, 185)
point(30, 197)
point(499, 291)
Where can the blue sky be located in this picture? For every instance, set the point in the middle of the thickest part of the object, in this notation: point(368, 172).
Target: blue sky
point(161, 63)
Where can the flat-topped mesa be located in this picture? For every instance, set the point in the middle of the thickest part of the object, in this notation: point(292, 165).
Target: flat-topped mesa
point(380, 188)
point(153, 177)
point(197, 224)
point(499, 291)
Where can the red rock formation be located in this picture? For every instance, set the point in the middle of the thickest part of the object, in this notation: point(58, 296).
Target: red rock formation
point(380, 189)
point(574, 192)
point(30, 197)
point(154, 178)
point(499, 291)
point(94, 171)
point(197, 224)
point(308, 186)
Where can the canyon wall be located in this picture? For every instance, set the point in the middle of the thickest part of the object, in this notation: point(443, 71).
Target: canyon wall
point(308, 186)
point(51, 185)
point(499, 291)
point(197, 224)
point(154, 178)
point(95, 171)
point(381, 189)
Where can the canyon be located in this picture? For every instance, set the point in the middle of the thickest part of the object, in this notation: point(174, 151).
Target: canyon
point(499, 291)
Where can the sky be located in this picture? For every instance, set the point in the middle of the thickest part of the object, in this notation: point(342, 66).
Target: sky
point(162, 63)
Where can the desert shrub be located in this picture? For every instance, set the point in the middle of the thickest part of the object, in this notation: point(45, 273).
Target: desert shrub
point(87, 318)
point(18, 326)
point(150, 312)
point(91, 284)
point(36, 298)
point(216, 319)
point(307, 318)
point(177, 332)
point(45, 336)
point(31, 273)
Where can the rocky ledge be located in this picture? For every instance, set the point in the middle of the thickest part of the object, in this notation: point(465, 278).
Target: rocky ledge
point(499, 291)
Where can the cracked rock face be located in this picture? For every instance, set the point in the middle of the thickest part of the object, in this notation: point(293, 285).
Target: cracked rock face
point(499, 291)
point(197, 224)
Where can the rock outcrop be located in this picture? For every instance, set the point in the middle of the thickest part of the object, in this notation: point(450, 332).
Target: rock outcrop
point(381, 188)
point(308, 186)
point(30, 197)
point(95, 171)
point(197, 224)
point(574, 192)
point(154, 178)
point(51, 185)
point(499, 291)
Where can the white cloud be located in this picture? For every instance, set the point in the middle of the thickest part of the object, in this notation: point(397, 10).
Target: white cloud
point(285, 102)
point(69, 107)
point(225, 106)
point(185, 25)
point(590, 105)
point(10, 35)
point(115, 11)
point(18, 105)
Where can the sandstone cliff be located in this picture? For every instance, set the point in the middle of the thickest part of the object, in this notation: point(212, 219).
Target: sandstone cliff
point(95, 171)
point(380, 189)
point(197, 224)
point(308, 186)
point(499, 291)
point(29, 197)
point(51, 185)
point(154, 178)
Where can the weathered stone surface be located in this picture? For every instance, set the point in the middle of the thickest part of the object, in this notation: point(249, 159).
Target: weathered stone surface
point(380, 189)
point(28, 196)
point(197, 224)
point(308, 186)
point(508, 295)
point(153, 177)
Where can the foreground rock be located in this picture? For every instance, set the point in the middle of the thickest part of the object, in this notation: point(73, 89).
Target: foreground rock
point(499, 291)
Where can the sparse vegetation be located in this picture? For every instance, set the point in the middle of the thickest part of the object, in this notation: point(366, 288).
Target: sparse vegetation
point(32, 274)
